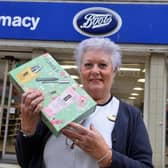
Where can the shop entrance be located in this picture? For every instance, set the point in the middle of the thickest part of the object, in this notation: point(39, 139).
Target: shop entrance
point(9, 109)
point(128, 86)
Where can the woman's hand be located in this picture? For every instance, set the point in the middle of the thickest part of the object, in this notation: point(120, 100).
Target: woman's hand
point(89, 140)
point(30, 110)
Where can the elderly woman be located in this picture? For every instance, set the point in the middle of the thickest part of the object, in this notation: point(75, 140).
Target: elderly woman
point(113, 136)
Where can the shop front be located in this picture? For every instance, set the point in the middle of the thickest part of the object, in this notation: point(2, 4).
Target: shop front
point(28, 29)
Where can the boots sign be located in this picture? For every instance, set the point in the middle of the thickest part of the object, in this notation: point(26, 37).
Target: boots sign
point(97, 21)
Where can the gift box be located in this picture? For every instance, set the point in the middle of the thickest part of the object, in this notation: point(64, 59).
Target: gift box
point(64, 100)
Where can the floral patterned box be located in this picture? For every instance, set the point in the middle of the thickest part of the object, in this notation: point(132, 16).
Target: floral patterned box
point(65, 101)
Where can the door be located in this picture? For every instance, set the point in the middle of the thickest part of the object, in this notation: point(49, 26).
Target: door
point(9, 110)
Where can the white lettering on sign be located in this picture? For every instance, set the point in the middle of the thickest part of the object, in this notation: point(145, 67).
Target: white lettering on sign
point(97, 20)
point(17, 21)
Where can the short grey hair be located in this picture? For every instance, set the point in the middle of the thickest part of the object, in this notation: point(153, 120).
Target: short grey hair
point(104, 44)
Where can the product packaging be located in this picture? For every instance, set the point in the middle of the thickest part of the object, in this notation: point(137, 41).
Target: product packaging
point(64, 100)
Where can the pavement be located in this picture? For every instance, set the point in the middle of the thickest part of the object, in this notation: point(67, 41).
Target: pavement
point(5, 165)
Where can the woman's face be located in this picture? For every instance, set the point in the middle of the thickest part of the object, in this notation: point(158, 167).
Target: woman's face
point(97, 74)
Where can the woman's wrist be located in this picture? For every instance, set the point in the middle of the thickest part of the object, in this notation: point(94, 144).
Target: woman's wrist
point(106, 160)
point(27, 133)
point(27, 129)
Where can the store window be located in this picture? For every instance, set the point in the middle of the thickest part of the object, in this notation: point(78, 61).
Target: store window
point(129, 84)
point(9, 109)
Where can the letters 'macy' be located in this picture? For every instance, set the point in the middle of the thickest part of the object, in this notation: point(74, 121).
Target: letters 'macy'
point(18, 21)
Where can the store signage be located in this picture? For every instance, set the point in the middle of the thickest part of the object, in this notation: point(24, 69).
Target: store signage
point(75, 21)
point(97, 21)
point(18, 21)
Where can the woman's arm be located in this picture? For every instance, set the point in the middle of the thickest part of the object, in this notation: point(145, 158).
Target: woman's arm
point(27, 146)
point(29, 150)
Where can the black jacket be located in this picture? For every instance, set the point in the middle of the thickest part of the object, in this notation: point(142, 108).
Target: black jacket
point(130, 141)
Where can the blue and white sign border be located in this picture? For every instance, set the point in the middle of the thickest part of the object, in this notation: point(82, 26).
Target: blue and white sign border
point(97, 8)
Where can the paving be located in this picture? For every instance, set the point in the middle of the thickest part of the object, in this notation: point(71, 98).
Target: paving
point(4, 165)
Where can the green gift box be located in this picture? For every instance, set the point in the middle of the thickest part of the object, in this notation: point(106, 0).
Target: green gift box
point(64, 100)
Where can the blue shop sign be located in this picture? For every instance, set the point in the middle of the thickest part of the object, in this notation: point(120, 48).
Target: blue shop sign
point(75, 21)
